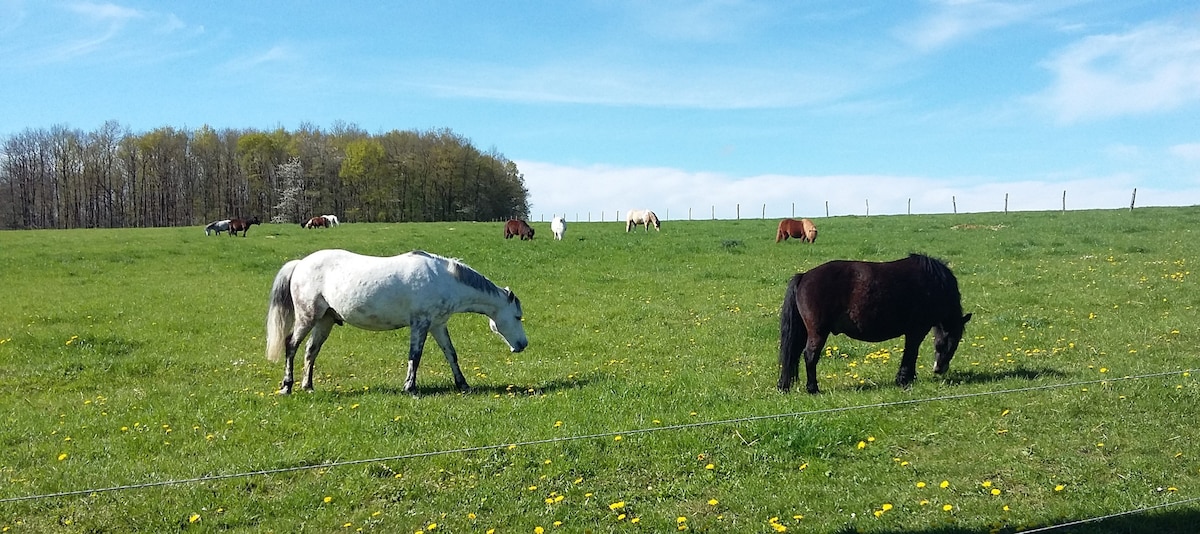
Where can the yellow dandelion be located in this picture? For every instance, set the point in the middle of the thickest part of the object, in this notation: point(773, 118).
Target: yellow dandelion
point(947, 507)
point(558, 424)
point(635, 520)
point(538, 530)
point(986, 483)
point(713, 502)
point(620, 517)
point(616, 505)
point(886, 506)
point(878, 513)
point(710, 467)
point(871, 439)
point(920, 484)
point(924, 502)
point(945, 484)
point(347, 525)
point(681, 519)
point(995, 491)
point(194, 518)
point(62, 457)
point(778, 527)
point(327, 499)
point(432, 526)
point(1006, 508)
point(617, 438)
point(1059, 487)
point(862, 445)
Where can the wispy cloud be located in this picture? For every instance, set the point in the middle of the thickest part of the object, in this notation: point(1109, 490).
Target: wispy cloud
point(276, 54)
point(1153, 68)
point(1186, 151)
point(697, 21)
point(954, 20)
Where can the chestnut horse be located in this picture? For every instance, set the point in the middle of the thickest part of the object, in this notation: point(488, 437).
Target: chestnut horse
point(242, 225)
point(319, 221)
point(517, 227)
point(802, 229)
point(872, 302)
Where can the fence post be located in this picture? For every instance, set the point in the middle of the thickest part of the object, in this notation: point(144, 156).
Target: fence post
point(1132, 199)
point(826, 209)
point(793, 210)
point(689, 214)
point(714, 212)
point(868, 207)
point(737, 212)
point(764, 211)
point(954, 204)
point(1064, 210)
point(1006, 203)
point(910, 206)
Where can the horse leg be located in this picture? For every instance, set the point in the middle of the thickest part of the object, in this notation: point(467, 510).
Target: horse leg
point(908, 362)
point(293, 344)
point(441, 334)
point(416, 344)
point(812, 354)
point(320, 333)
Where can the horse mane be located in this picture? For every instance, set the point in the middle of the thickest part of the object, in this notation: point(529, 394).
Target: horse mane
point(941, 274)
point(464, 273)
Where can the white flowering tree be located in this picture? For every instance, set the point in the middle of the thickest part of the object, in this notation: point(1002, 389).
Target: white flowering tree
point(290, 177)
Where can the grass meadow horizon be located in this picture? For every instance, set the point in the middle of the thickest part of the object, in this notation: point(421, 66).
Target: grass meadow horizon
point(646, 399)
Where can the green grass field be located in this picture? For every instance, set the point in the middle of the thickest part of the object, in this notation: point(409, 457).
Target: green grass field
point(645, 402)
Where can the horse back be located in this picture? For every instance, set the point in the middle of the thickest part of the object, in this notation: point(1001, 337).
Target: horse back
point(873, 301)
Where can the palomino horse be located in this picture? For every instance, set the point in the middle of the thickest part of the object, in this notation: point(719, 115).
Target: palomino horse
point(316, 222)
point(217, 227)
point(331, 219)
point(642, 217)
point(418, 290)
point(241, 225)
point(873, 302)
point(559, 226)
point(517, 227)
point(802, 229)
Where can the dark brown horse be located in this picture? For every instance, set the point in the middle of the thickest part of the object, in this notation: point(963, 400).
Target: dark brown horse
point(241, 225)
point(873, 302)
point(316, 222)
point(802, 229)
point(517, 227)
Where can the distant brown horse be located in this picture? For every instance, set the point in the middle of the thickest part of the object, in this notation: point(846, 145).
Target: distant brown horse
point(242, 225)
point(802, 229)
point(316, 222)
point(517, 227)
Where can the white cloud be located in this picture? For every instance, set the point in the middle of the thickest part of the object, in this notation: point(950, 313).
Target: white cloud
point(954, 20)
point(1186, 151)
point(599, 191)
point(1150, 69)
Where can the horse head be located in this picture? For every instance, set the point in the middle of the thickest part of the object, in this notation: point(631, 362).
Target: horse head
point(507, 322)
point(945, 342)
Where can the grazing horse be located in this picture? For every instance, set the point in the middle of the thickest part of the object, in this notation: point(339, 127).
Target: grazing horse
point(802, 229)
point(517, 227)
point(241, 225)
point(642, 217)
point(417, 289)
point(319, 221)
point(217, 227)
point(332, 220)
point(873, 302)
point(559, 226)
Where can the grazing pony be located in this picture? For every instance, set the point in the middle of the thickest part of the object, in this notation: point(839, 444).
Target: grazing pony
point(873, 302)
point(642, 217)
point(417, 289)
point(559, 226)
point(332, 220)
point(802, 229)
point(217, 227)
point(241, 225)
point(316, 222)
point(517, 227)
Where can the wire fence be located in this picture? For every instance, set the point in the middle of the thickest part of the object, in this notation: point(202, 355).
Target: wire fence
point(632, 432)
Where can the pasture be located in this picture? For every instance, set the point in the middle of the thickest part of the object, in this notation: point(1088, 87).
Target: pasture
point(645, 402)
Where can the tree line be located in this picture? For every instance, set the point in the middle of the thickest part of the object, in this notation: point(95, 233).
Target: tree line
point(112, 177)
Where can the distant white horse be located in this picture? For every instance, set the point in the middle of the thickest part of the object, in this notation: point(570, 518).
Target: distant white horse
point(331, 219)
point(559, 227)
point(217, 227)
point(418, 290)
point(642, 217)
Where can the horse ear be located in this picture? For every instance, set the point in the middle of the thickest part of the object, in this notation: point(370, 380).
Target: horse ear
point(508, 292)
point(966, 318)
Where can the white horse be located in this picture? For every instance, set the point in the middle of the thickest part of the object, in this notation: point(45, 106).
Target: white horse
point(418, 290)
point(559, 227)
point(642, 217)
point(332, 220)
point(217, 226)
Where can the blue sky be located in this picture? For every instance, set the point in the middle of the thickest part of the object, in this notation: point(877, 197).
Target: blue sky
point(668, 105)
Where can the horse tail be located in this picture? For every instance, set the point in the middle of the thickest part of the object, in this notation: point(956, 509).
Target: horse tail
point(779, 234)
point(281, 313)
point(793, 336)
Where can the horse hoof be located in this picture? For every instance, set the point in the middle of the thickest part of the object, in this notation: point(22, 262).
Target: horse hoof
point(812, 390)
point(285, 391)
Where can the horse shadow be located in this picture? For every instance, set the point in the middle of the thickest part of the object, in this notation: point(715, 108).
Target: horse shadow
point(977, 376)
point(443, 389)
point(1182, 520)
